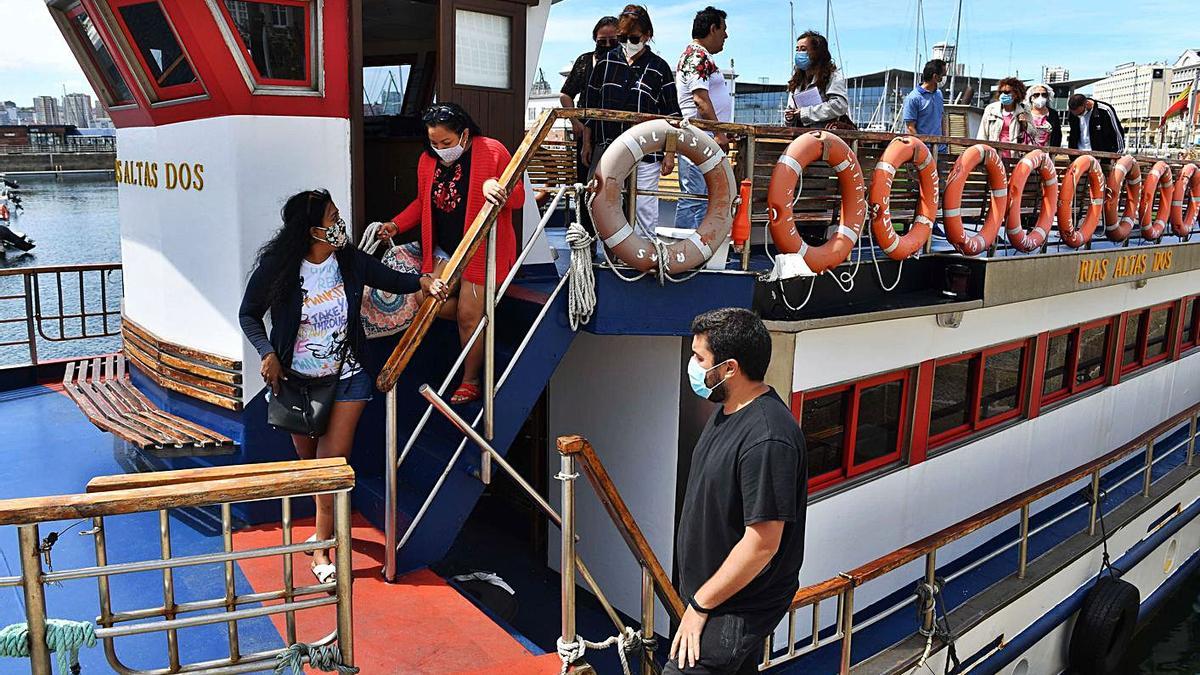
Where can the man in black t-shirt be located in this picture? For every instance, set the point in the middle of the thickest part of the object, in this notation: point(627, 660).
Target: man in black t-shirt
point(741, 532)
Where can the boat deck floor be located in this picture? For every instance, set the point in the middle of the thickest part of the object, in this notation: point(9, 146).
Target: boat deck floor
point(420, 625)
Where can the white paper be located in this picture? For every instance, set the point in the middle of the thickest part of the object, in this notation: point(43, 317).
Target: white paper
point(806, 98)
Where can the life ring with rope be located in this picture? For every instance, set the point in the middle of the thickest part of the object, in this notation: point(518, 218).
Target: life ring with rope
point(901, 151)
point(1182, 223)
point(613, 171)
point(1067, 231)
point(782, 191)
point(1158, 181)
point(997, 185)
point(1126, 174)
point(1039, 161)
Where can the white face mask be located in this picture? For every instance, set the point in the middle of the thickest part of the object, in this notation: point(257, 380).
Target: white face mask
point(1039, 101)
point(632, 50)
point(451, 154)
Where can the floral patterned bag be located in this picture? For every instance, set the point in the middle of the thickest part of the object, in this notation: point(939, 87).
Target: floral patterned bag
point(386, 313)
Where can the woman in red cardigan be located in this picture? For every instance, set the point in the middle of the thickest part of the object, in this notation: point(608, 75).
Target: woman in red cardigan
point(458, 171)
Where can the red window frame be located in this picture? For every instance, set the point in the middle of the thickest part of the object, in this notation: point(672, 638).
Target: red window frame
point(1064, 391)
point(849, 469)
point(167, 93)
point(978, 360)
point(1192, 320)
point(973, 382)
point(1071, 386)
point(307, 7)
point(71, 15)
point(1140, 360)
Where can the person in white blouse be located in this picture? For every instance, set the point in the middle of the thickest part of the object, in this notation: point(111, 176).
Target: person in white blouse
point(814, 68)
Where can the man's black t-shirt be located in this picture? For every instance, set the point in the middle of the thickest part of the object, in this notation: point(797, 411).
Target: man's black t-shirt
point(748, 467)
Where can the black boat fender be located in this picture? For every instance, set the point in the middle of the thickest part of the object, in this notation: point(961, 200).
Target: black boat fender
point(1104, 627)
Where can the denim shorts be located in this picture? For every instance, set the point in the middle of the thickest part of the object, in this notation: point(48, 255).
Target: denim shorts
point(357, 387)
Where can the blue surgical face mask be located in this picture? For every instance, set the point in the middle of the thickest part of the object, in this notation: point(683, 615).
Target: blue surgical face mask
point(1006, 99)
point(696, 376)
point(802, 60)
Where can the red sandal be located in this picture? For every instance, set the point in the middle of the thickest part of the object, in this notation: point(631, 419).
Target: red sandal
point(466, 393)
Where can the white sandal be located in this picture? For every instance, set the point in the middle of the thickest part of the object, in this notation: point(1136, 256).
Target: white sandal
point(310, 540)
point(325, 574)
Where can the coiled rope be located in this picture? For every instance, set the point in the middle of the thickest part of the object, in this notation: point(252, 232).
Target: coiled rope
point(63, 637)
point(582, 291)
point(327, 658)
point(628, 642)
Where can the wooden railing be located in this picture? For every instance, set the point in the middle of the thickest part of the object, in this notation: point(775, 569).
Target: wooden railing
point(160, 492)
point(843, 585)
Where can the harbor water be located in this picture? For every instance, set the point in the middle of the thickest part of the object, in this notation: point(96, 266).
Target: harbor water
point(74, 220)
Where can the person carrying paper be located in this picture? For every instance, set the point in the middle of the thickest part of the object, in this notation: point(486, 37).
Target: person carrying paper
point(817, 90)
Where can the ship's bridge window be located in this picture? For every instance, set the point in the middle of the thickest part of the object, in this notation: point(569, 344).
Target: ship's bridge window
point(853, 428)
point(82, 34)
point(274, 41)
point(163, 60)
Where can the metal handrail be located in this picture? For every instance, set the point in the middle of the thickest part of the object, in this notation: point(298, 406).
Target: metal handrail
point(186, 489)
point(36, 316)
point(843, 586)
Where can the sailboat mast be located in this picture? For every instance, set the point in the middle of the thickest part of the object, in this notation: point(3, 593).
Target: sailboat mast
point(828, 11)
point(917, 45)
point(957, 28)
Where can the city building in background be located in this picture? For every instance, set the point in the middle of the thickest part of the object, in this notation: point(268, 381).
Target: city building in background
point(1139, 93)
point(8, 113)
point(46, 110)
point(1055, 74)
point(1183, 129)
point(77, 110)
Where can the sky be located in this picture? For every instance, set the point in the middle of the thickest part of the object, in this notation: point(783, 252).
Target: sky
point(1089, 37)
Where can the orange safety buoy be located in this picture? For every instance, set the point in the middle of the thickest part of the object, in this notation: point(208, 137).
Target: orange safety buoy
point(1078, 236)
point(901, 150)
point(1183, 223)
point(613, 171)
point(3, 211)
point(1035, 160)
point(1125, 172)
point(781, 194)
point(997, 182)
point(741, 221)
point(1158, 181)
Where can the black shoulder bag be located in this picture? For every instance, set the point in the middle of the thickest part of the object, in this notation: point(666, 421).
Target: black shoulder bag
point(303, 404)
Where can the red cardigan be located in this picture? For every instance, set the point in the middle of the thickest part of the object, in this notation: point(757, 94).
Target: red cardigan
point(488, 159)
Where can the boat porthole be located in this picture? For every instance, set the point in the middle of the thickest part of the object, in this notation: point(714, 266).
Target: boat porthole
point(1169, 562)
point(1022, 668)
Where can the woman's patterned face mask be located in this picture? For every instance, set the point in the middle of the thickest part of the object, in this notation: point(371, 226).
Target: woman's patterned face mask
point(336, 234)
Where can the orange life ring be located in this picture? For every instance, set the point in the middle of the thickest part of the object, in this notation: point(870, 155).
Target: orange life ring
point(1183, 223)
point(801, 152)
point(1159, 181)
point(901, 150)
point(612, 173)
point(1125, 172)
point(997, 182)
point(1070, 235)
point(3, 211)
point(1034, 160)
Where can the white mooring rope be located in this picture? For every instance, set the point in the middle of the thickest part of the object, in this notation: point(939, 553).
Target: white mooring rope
point(627, 642)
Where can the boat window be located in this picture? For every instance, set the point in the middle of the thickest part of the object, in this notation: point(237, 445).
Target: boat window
point(118, 91)
point(162, 56)
point(1133, 328)
point(877, 431)
point(1156, 333)
point(1093, 346)
point(1190, 316)
point(1058, 362)
point(1001, 383)
point(482, 43)
point(952, 395)
point(274, 36)
point(824, 426)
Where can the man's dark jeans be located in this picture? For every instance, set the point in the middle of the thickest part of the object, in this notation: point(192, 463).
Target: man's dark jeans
point(725, 649)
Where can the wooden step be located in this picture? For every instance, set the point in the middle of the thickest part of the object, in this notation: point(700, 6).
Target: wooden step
point(102, 389)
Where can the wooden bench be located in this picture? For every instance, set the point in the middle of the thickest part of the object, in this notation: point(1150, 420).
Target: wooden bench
point(102, 389)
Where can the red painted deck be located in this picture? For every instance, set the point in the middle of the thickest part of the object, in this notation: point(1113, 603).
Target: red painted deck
point(417, 625)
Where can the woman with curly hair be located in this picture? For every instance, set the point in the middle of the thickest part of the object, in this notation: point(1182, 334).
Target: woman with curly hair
point(814, 67)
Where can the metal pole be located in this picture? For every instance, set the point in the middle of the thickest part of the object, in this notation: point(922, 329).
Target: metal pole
point(1095, 503)
point(489, 357)
point(567, 475)
point(1191, 446)
point(1147, 477)
point(230, 589)
point(289, 578)
point(847, 619)
point(345, 579)
point(168, 580)
point(35, 599)
point(389, 489)
point(631, 208)
point(816, 624)
point(647, 620)
point(957, 28)
point(930, 580)
point(30, 318)
point(1023, 552)
point(750, 158)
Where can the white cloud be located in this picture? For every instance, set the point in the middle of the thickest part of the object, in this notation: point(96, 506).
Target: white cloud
point(31, 39)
